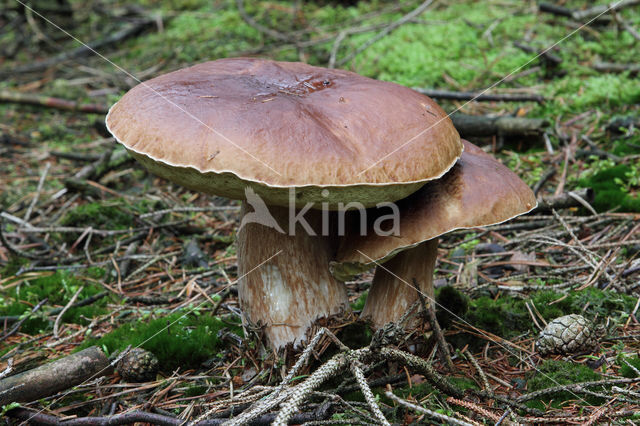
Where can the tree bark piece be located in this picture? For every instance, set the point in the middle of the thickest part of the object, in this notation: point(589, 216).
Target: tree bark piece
point(293, 288)
point(475, 126)
point(392, 291)
point(54, 377)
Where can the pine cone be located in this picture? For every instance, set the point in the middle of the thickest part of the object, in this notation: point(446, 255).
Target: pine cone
point(138, 366)
point(566, 335)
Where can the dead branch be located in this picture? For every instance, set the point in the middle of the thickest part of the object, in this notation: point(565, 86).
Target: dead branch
point(432, 414)
point(594, 11)
point(565, 200)
point(84, 50)
point(7, 96)
point(479, 96)
point(615, 67)
point(54, 377)
point(580, 15)
point(574, 387)
point(13, 140)
point(34, 417)
point(429, 308)
point(22, 320)
point(474, 126)
point(546, 55)
point(56, 324)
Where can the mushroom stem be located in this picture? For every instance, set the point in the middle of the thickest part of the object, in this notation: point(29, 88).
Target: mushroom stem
point(393, 290)
point(291, 290)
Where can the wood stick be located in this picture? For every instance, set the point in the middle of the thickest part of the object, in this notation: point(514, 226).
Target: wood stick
point(322, 412)
point(565, 200)
point(7, 96)
point(546, 55)
point(54, 377)
point(581, 15)
point(477, 96)
point(474, 126)
point(615, 67)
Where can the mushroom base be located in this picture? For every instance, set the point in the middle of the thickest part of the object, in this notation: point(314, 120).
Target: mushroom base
point(395, 284)
point(285, 284)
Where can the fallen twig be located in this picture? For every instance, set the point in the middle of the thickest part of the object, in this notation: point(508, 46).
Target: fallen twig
point(580, 15)
point(443, 348)
point(479, 96)
point(54, 377)
point(432, 414)
point(34, 417)
point(471, 125)
point(7, 96)
point(56, 324)
point(615, 67)
point(546, 55)
point(574, 387)
point(565, 200)
point(84, 50)
point(22, 320)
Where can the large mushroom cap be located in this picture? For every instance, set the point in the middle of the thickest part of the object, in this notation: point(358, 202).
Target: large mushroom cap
point(477, 191)
point(221, 126)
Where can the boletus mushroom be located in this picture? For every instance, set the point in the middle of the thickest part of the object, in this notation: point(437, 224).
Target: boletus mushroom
point(293, 138)
point(477, 191)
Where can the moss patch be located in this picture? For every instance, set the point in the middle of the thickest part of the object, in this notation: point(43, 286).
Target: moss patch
point(108, 216)
point(554, 373)
point(508, 316)
point(180, 340)
point(625, 369)
point(612, 188)
point(58, 287)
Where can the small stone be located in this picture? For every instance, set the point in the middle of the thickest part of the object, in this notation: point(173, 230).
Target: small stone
point(567, 335)
point(138, 366)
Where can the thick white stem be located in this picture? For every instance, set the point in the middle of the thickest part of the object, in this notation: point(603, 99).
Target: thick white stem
point(289, 292)
point(396, 283)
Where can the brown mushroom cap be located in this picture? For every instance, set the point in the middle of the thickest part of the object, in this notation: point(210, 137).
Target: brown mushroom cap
point(221, 126)
point(477, 191)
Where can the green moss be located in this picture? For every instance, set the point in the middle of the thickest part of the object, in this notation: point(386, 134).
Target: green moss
point(508, 316)
point(178, 340)
point(554, 373)
point(625, 370)
point(98, 215)
point(195, 390)
point(58, 287)
point(611, 187)
point(13, 266)
point(358, 304)
point(601, 303)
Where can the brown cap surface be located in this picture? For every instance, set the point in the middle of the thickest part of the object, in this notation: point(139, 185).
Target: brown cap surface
point(234, 122)
point(477, 191)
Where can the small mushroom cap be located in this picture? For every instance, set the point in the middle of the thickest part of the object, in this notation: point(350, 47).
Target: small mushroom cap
point(221, 126)
point(477, 191)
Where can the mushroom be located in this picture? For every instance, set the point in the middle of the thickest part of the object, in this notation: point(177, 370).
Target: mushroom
point(287, 138)
point(477, 191)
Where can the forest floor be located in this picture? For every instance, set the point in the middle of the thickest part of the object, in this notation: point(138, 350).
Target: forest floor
point(96, 251)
